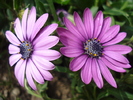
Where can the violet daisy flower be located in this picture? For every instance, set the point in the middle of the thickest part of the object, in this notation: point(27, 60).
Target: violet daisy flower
point(30, 48)
point(92, 44)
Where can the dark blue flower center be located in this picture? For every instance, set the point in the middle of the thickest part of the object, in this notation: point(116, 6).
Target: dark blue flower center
point(25, 49)
point(93, 48)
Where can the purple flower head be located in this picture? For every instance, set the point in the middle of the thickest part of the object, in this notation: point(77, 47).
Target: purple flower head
point(92, 44)
point(30, 48)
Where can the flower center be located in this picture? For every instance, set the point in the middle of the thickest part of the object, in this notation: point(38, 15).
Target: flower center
point(25, 49)
point(93, 48)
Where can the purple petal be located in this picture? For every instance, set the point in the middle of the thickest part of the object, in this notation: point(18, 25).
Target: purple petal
point(122, 49)
point(71, 51)
point(98, 22)
point(106, 74)
point(35, 72)
point(110, 34)
point(78, 62)
point(20, 71)
point(68, 38)
point(46, 31)
point(86, 71)
point(18, 29)
point(12, 38)
point(117, 63)
point(96, 73)
point(105, 27)
point(31, 22)
point(29, 76)
point(73, 29)
point(47, 54)
point(13, 49)
point(88, 22)
point(46, 43)
point(24, 23)
point(39, 24)
point(80, 26)
point(42, 63)
point(112, 66)
point(14, 58)
point(116, 56)
point(117, 39)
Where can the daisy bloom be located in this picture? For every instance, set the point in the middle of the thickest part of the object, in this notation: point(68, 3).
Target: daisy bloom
point(92, 44)
point(30, 48)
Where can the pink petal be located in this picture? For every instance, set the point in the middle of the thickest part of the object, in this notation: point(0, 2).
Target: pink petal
point(35, 72)
point(39, 24)
point(122, 49)
point(24, 23)
point(13, 49)
point(80, 26)
point(86, 71)
point(12, 38)
point(78, 62)
point(47, 54)
point(31, 22)
point(46, 31)
point(14, 58)
point(73, 29)
point(106, 74)
point(29, 76)
point(42, 63)
point(88, 22)
point(105, 27)
point(71, 51)
point(20, 71)
point(96, 73)
point(117, 63)
point(117, 39)
point(18, 29)
point(98, 22)
point(46, 43)
point(112, 66)
point(110, 34)
point(116, 56)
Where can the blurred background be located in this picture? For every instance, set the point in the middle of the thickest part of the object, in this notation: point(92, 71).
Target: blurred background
point(64, 86)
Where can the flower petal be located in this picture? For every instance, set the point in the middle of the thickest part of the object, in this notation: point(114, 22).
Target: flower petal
point(88, 22)
point(24, 23)
point(31, 22)
point(48, 54)
point(116, 56)
point(98, 22)
point(106, 74)
point(110, 34)
point(42, 63)
point(78, 62)
point(112, 66)
point(14, 58)
point(46, 43)
point(12, 38)
point(39, 24)
point(29, 76)
point(115, 40)
point(86, 71)
point(20, 71)
point(80, 26)
point(13, 49)
point(71, 52)
point(18, 29)
point(122, 49)
point(96, 73)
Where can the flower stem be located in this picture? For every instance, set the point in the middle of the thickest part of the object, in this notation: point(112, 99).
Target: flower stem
point(53, 11)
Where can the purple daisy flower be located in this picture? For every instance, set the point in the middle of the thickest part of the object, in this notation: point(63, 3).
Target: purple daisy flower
point(30, 48)
point(92, 44)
